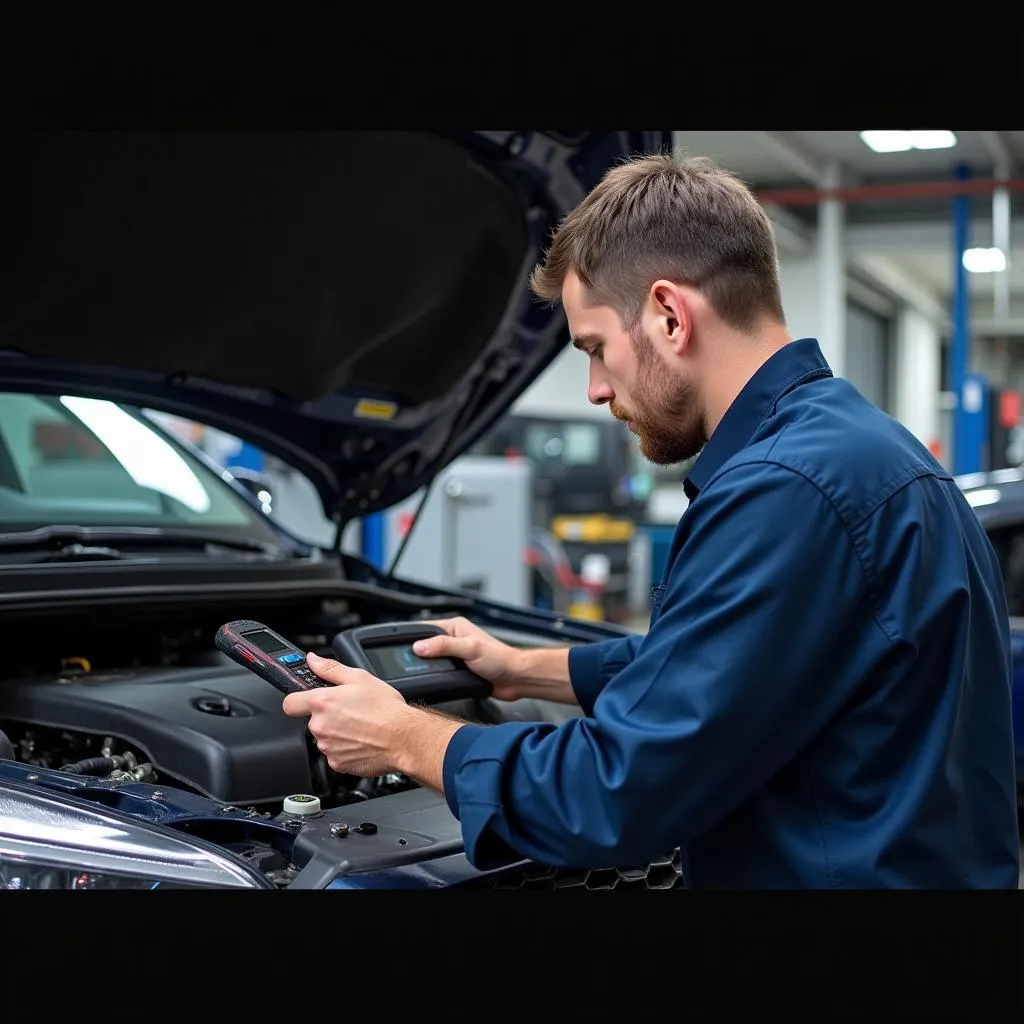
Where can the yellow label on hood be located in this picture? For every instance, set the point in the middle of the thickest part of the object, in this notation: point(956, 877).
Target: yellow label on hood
point(370, 409)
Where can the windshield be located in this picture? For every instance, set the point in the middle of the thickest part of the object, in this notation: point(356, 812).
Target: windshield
point(87, 462)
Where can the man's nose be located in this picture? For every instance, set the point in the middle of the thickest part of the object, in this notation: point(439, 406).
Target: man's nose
point(599, 391)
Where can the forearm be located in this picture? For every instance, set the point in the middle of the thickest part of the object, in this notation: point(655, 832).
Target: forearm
point(420, 741)
point(543, 674)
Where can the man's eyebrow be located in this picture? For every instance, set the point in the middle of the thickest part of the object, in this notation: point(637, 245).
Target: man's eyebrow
point(582, 340)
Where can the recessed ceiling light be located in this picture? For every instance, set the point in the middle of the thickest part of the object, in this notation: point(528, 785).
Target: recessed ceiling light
point(984, 261)
point(902, 141)
point(932, 140)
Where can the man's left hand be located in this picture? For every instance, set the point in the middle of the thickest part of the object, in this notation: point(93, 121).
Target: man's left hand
point(356, 723)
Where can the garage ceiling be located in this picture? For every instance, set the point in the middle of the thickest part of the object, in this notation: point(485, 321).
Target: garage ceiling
point(934, 269)
point(853, 154)
point(912, 234)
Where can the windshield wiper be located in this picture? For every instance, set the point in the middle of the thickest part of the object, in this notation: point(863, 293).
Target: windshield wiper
point(97, 542)
point(78, 553)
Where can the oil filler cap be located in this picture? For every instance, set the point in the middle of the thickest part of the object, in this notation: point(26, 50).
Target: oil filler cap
point(302, 804)
point(213, 705)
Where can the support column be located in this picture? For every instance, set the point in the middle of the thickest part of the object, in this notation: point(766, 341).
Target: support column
point(372, 539)
point(249, 456)
point(831, 331)
point(961, 347)
point(1002, 216)
point(918, 378)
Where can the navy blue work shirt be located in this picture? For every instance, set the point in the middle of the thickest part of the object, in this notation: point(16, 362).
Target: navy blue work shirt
point(823, 697)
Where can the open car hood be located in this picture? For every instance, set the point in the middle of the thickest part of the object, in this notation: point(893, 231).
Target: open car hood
point(355, 303)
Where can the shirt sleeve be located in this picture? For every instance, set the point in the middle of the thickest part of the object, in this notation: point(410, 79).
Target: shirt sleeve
point(765, 630)
point(591, 666)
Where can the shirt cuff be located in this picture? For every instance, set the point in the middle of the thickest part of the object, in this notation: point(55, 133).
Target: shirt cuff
point(585, 675)
point(458, 746)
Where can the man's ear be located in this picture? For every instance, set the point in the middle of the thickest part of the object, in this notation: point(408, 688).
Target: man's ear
point(672, 319)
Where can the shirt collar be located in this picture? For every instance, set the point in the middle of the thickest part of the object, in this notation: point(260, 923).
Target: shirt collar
point(792, 365)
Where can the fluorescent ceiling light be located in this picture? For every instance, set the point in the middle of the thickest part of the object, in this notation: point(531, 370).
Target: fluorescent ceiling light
point(887, 142)
point(984, 261)
point(902, 141)
point(932, 140)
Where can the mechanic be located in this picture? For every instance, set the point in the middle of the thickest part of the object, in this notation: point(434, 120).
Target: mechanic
point(822, 699)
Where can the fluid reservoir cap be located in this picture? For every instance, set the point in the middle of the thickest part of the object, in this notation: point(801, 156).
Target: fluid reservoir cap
point(302, 803)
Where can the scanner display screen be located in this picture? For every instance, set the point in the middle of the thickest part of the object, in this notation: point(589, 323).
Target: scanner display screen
point(266, 642)
point(395, 661)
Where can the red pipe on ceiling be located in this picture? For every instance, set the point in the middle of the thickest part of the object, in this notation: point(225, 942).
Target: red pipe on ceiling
point(881, 193)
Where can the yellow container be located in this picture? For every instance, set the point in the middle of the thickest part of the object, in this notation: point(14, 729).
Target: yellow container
point(590, 610)
point(598, 529)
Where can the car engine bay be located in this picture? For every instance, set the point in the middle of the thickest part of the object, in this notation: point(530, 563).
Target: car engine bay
point(118, 697)
point(135, 709)
point(133, 706)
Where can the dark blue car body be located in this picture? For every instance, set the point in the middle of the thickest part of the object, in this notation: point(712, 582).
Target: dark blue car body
point(998, 502)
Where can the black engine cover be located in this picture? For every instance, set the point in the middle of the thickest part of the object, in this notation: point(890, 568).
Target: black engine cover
point(220, 730)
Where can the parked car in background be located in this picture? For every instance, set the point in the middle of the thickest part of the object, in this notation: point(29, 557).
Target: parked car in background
point(998, 502)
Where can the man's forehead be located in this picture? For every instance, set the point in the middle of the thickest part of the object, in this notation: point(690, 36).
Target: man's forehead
point(593, 325)
point(588, 323)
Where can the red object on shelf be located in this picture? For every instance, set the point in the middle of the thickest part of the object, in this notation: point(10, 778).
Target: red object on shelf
point(1009, 409)
point(566, 578)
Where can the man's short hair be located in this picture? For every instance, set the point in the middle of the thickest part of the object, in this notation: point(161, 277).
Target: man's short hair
point(688, 221)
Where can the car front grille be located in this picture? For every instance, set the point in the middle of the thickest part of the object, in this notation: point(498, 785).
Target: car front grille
point(660, 875)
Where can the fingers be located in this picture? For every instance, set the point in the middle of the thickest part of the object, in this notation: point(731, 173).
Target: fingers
point(458, 626)
point(441, 646)
point(450, 626)
point(295, 705)
point(329, 670)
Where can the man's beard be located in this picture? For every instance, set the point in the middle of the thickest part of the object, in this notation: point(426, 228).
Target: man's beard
point(668, 429)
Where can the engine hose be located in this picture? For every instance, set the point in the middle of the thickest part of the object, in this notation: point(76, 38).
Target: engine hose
point(96, 765)
point(364, 790)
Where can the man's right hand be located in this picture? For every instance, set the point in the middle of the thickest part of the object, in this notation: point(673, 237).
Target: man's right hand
point(513, 673)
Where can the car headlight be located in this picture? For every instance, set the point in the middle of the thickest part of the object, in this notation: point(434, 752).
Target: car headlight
point(49, 841)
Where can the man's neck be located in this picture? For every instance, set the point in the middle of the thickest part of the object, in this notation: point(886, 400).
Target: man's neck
point(737, 358)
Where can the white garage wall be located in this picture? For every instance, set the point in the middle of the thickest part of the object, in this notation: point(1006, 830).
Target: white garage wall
point(561, 390)
point(800, 298)
point(801, 280)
